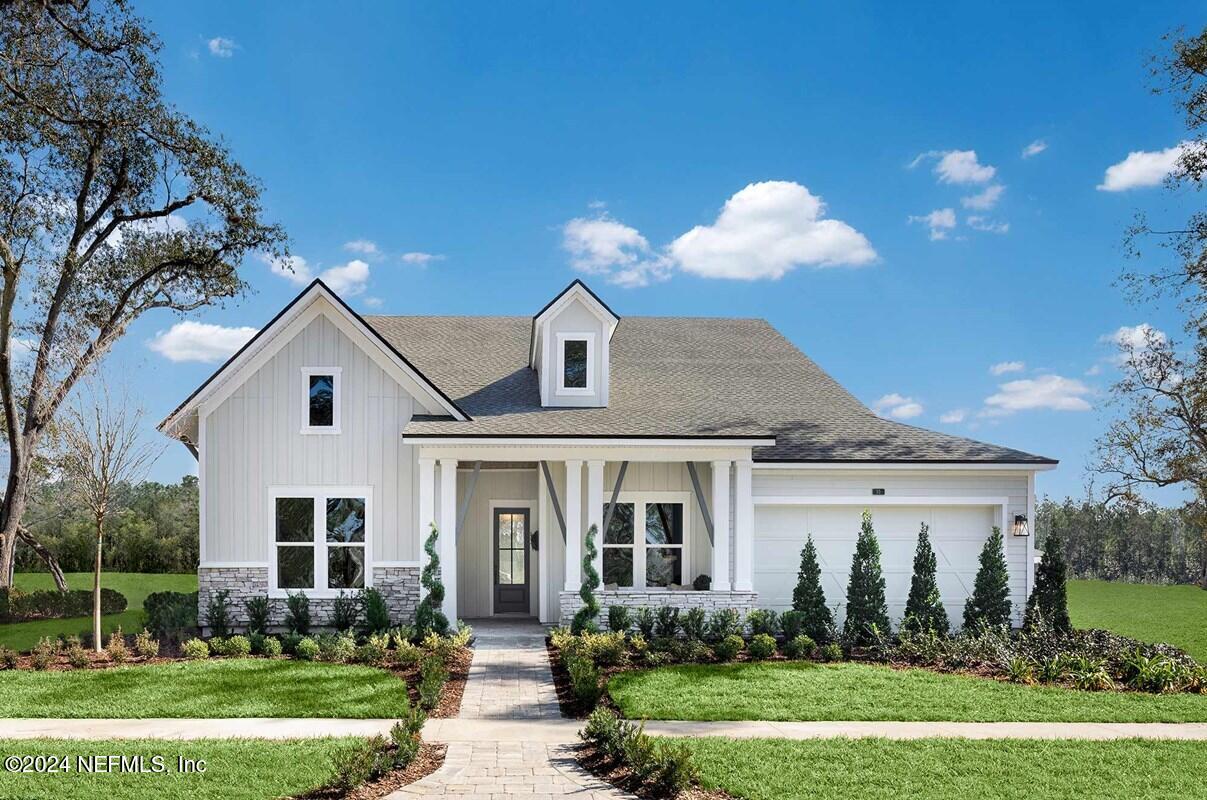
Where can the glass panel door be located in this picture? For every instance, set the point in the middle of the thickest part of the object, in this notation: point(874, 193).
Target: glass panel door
point(511, 560)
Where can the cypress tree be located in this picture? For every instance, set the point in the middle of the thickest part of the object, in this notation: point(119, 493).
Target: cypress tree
point(866, 605)
point(428, 617)
point(584, 620)
point(924, 610)
point(1049, 599)
point(809, 598)
point(990, 601)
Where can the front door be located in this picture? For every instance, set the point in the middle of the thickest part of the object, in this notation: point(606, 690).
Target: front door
point(511, 560)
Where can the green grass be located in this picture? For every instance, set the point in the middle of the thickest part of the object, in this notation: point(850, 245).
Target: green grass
point(803, 691)
point(234, 769)
point(934, 769)
point(1173, 614)
point(248, 687)
point(134, 585)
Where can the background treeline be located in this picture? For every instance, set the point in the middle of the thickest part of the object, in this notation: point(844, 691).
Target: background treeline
point(1127, 542)
point(151, 528)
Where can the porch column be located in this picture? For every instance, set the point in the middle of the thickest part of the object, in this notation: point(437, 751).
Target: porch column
point(720, 526)
point(595, 501)
point(743, 579)
point(547, 525)
point(574, 526)
point(447, 542)
point(427, 499)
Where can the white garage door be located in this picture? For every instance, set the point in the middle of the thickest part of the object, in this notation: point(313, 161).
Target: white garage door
point(957, 534)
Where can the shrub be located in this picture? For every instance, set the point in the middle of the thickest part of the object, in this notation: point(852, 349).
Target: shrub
point(337, 648)
point(665, 767)
point(117, 650)
point(666, 623)
point(723, 623)
point(371, 653)
point(257, 614)
point(990, 601)
point(584, 678)
point(585, 617)
point(702, 583)
point(344, 612)
point(645, 621)
point(657, 658)
point(1090, 674)
point(307, 649)
point(297, 613)
point(170, 615)
point(375, 611)
point(77, 656)
point(923, 608)
point(405, 736)
point(763, 621)
point(44, 653)
point(792, 624)
point(761, 646)
point(799, 647)
point(407, 655)
point(8, 658)
point(1020, 670)
point(432, 676)
point(18, 606)
point(728, 648)
point(690, 650)
point(1049, 599)
point(830, 652)
point(694, 624)
point(290, 642)
point(440, 646)
point(866, 605)
point(195, 649)
point(146, 645)
point(809, 598)
point(272, 647)
point(620, 619)
point(238, 646)
point(360, 763)
point(402, 634)
point(605, 649)
point(463, 636)
point(257, 643)
point(217, 613)
point(428, 617)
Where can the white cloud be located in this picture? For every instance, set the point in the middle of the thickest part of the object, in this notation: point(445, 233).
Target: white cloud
point(348, 279)
point(984, 200)
point(199, 341)
point(1007, 366)
point(1095, 369)
point(1141, 168)
point(421, 259)
point(978, 223)
point(957, 166)
point(897, 406)
point(939, 221)
point(362, 247)
point(374, 302)
point(292, 268)
point(604, 246)
point(953, 417)
point(1130, 340)
point(221, 47)
point(1051, 392)
point(1035, 148)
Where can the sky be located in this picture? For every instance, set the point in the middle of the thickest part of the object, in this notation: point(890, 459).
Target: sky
point(930, 205)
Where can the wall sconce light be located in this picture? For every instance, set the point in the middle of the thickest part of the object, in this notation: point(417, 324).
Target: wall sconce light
point(1020, 525)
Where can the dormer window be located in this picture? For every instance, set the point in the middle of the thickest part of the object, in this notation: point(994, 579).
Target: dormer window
point(576, 363)
point(322, 399)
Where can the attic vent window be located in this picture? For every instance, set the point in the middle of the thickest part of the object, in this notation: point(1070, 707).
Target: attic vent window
point(322, 386)
point(575, 367)
point(576, 354)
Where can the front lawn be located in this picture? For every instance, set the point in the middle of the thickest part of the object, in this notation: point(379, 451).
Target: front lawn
point(934, 769)
point(850, 691)
point(1173, 614)
point(234, 769)
point(134, 585)
point(225, 688)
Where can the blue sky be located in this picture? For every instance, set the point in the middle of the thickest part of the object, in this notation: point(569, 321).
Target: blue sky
point(518, 145)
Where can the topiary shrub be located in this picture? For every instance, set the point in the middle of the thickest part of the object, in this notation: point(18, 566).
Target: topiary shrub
point(809, 598)
point(375, 611)
point(584, 619)
point(307, 649)
point(1049, 600)
point(728, 648)
point(924, 609)
point(195, 649)
point(867, 609)
point(257, 609)
point(799, 647)
point(428, 617)
point(620, 619)
point(297, 613)
point(762, 646)
point(989, 605)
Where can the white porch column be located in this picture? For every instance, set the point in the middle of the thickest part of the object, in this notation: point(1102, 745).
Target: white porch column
point(574, 526)
point(547, 525)
point(743, 535)
point(448, 536)
point(720, 526)
point(595, 500)
point(427, 500)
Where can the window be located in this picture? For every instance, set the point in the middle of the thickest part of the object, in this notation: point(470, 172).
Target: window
point(644, 545)
point(576, 363)
point(321, 540)
point(322, 412)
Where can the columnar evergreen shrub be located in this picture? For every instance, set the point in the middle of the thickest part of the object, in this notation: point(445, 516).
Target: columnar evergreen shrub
point(666, 622)
point(924, 610)
point(724, 622)
point(763, 621)
point(375, 612)
point(867, 609)
point(694, 624)
point(218, 612)
point(297, 613)
point(344, 612)
point(645, 621)
point(428, 617)
point(257, 613)
point(990, 601)
point(620, 619)
point(809, 598)
point(584, 620)
point(1049, 599)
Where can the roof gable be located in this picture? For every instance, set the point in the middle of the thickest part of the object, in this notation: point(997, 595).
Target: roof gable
point(577, 290)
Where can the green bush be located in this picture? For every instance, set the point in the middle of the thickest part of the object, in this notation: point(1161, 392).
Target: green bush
point(830, 652)
point(432, 677)
point(428, 617)
point(761, 646)
point(645, 621)
point(585, 618)
point(728, 648)
point(792, 624)
point(217, 613)
point(808, 598)
point(337, 648)
point(171, 615)
point(924, 609)
point(238, 646)
point(604, 649)
point(258, 609)
point(584, 678)
point(406, 655)
point(723, 623)
point(1049, 601)
point(405, 736)
point(374, 610)
point(763, 621)
point(666, 622)
point(360, 763)
point(867, 609)
point(371, 653)
point(18, 606)
point(666, 768)
point(146, 645)
point(117, 650)
point(77, 656)
point(8, 658)
point(272, 647)
point(290, 642)
point(690, 650)
point(307, 649)
point(799, 647)
point(989, 605)
point(44, 653)
point(345, 612)
point(297, 613)
point(694, 624)
point(195, 649)
point(620, 619)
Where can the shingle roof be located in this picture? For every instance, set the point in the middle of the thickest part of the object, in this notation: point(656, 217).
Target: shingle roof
point(672, 377)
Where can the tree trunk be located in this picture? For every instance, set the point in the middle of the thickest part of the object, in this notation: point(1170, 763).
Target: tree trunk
point(96, 586)
point(43, 553)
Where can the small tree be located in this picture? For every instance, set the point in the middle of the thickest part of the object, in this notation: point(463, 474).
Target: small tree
point(1049, 599)
point(924, 609)
point(428, 617)
point(584, 620)
point(866, 605)
point(990, 601)
point(809, 598)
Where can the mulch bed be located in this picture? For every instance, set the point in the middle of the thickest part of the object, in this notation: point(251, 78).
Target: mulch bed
point(566, 701)
point(622, 778)
point(429, 759)
point(450, 696)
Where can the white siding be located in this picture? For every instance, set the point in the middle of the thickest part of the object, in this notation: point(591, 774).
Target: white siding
point(254, 440)
point(574, 318)
point(475, 539)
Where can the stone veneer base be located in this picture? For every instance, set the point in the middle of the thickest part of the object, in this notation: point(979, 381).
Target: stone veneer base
point(744, 602)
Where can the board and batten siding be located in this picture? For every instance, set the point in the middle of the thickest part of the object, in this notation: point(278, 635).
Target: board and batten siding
point(253, 441)
point(475, 538)
point(958, 531)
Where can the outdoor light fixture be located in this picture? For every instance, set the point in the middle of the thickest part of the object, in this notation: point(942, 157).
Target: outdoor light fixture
point(1020, 525)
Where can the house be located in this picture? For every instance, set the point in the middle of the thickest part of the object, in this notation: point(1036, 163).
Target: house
point(705, 449)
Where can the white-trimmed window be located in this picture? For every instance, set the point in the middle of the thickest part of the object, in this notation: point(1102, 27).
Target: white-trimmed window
point(320, 539)
point(321, 410)
point(645, 546)
point(576, 363)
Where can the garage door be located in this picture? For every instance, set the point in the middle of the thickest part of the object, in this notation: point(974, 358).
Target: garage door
point(957, 534)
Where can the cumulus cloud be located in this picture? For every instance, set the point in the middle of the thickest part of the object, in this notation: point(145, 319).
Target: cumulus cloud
point(221, 47)
point(978, 223)
point(292, 268)
point(957, 166)
point(940, 222)
point(897, 406)
point(604, 246)
point(346, 279)
point(984, 200)
point(199, 341)
point(420, 259)
point(1007, 366)
point(1132, 340)
point(374, 302)
point(1035, 148)
point(1141, 168)
point(1051, 392)
point(953, 417)
point(363, 247)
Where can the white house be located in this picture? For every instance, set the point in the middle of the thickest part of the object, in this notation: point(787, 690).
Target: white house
point(331, 442)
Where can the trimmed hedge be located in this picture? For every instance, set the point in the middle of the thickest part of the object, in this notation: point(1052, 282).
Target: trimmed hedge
point(18, 606)
point(171, 615)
